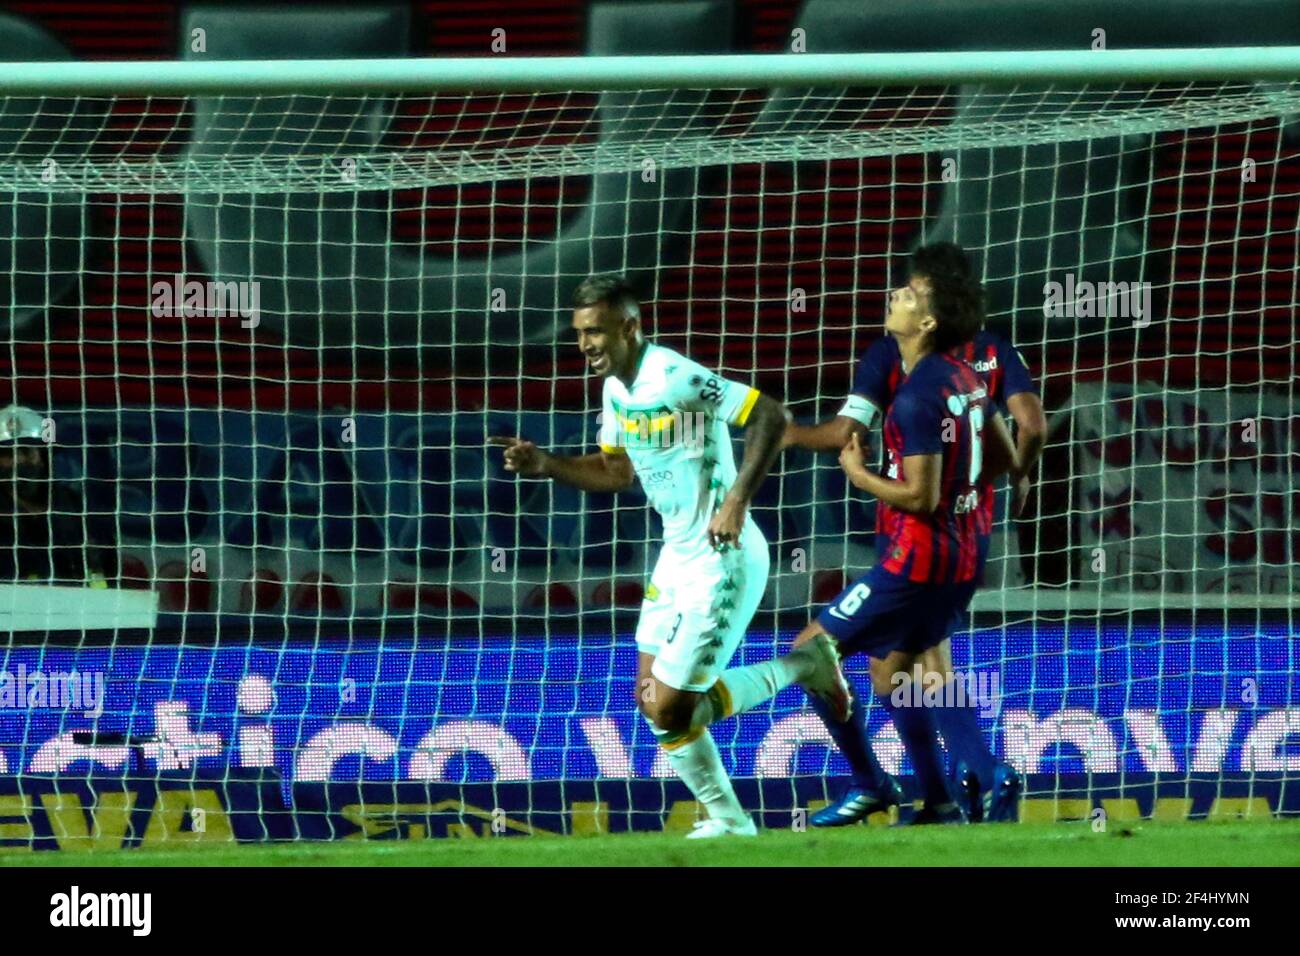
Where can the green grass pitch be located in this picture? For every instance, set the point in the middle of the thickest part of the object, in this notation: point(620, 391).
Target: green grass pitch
point(1201, 843)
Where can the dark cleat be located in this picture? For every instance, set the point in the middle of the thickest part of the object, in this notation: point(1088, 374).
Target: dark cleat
point(967, 789)
point(1004, 795)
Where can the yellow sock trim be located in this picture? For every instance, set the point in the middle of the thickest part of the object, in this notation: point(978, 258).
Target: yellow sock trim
point(686, 738)
point(721, 698)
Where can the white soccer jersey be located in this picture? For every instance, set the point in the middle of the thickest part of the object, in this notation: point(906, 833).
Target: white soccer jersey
point(672, 423)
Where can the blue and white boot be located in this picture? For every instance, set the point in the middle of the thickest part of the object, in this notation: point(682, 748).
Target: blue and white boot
point(857, 804)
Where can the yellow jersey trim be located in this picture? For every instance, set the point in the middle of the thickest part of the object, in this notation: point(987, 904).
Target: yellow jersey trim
point(750, 401)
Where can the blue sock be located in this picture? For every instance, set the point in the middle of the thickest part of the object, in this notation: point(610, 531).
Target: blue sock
point(917, 731)
point(852, 740)
point(965, 741)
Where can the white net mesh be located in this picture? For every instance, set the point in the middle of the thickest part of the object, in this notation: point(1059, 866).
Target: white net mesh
point(273, 331)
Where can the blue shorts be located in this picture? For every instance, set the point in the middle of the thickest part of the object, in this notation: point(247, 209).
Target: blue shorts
point(882, 612)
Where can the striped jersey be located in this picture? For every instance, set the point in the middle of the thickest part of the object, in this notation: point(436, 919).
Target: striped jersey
point(995, 360)
point(940, 408)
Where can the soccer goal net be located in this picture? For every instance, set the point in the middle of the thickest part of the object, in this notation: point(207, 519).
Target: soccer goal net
point(265, 315)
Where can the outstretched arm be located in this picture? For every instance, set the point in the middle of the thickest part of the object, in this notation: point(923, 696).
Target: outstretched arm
point(858, 414)
point(870, 394)
point(763, 432)
point(603, 471)
point(830, 435)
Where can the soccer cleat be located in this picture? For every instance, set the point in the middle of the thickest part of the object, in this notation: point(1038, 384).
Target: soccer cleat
point(943, 813)
point(714, 827)
point(968, 793)
point(1004, 795)
point(857, 804)
point(827, 680)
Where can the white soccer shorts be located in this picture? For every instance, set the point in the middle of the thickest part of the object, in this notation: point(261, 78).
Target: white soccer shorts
point(696, 610)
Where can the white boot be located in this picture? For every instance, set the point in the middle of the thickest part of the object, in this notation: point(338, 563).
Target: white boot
point(715, 827)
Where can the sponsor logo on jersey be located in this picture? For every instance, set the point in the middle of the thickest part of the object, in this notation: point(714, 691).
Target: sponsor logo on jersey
point(658, 427)
point(711, 390)
point(958, 402)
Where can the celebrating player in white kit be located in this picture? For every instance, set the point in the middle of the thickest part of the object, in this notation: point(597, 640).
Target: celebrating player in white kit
point(664, 420)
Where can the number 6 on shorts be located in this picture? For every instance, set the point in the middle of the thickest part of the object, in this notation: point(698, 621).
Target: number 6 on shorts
point(853, 600)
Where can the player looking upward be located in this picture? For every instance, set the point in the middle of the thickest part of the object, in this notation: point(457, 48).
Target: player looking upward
point(934, 528)
point(664, 420)
point(1012, 389)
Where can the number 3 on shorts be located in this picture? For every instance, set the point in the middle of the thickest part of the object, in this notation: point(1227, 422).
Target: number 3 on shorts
point(853, 600)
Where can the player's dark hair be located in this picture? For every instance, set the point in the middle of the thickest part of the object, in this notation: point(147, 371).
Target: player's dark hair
point(956, 295)
point(611, 290)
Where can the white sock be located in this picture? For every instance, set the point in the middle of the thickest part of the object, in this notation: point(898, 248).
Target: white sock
point(742, 688)
point(699, 764)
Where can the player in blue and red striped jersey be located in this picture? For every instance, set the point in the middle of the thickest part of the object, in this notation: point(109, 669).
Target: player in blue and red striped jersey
point(1011, 388)
point(1004, 372)
point(939, 311)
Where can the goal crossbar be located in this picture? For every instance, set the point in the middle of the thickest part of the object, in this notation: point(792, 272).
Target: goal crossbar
point(538, 74)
